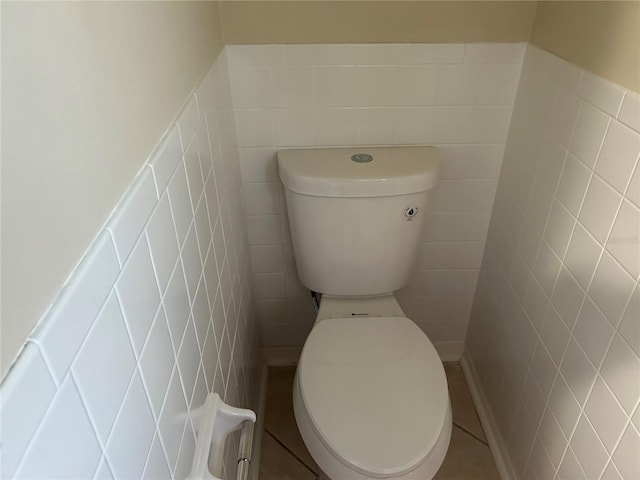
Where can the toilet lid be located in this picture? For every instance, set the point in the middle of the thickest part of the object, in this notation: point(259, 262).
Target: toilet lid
point(375, 391)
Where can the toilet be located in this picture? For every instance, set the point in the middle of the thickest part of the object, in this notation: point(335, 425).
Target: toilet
point(370, 393)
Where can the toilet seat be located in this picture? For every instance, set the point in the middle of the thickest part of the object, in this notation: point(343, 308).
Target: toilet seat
point(375, 393)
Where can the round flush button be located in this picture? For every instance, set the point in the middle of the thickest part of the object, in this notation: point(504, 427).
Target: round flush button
point(361, 157)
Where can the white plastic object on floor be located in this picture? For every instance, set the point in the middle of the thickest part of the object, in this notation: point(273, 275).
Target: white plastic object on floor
point(214, 421)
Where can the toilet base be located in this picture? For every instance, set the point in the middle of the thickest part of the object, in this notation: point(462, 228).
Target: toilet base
point(335, 469)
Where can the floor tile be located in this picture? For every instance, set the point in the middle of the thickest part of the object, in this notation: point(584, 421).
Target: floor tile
point(279, 418)
point(467, 459)
point(276, 463)
point(464, 410)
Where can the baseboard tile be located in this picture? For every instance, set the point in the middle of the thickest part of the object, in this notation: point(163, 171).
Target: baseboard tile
point(450, 351)
point(488, 421)
point(259, 428)
point(281, 356)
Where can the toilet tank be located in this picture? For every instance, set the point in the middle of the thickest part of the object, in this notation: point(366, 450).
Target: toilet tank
point(357, 215)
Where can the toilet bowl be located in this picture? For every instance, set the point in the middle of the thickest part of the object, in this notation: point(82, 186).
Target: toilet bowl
point(370, 398)
point(370, 394)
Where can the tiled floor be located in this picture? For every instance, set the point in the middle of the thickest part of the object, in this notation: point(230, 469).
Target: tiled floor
point(284, 456)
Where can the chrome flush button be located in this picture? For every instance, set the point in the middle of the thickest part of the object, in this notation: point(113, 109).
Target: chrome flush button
point(361, 158)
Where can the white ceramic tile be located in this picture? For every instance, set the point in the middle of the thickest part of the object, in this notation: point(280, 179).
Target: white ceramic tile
point(191, 261)
point(457, 85)
point(563, 117)
point(630, 111)
point(444, 282)
point(264, 229)
point(132, 434)
point(189, 359)
point(559, 229)
point(497, 84)
point(267, 259)
point(546, 268)
point(577, 371)
point(611, 288)
point(570, 467)
point(415, 85)
point(623, 243)
point(633, 190)
point(334, 86)
point(555, 335)
point(156, 361)
point(463, 195)
point(211, 196)
point(593, 332)
point(172, 419)
point(194, 170)
point(582, 255)
point(292, 86)
point(176, 305)
point(452, 124)
point(254, 55)
point(494, 52)
point(489, 124)
point(27, 391)
point(375, 86)
point(618, 156)
point(156, 467)
point(589, 133)
point(188, 122)
point(335, 126)
point(323, 54)
point(258, 164)
point(269, 285)
point(611, 472)
point(138, 293)
point(65, 433)
point(567, 297)
point(131, 216)
point(295, 127)
point(251, 87)
point(374, 53)
point(164, 161)
point(564, 406)
point(63, 331)
point(629, 326)
point(439, 255)
point(256, 127)
point(203, 227)
point(470, 161)
point(430, 53)
point(161, 235)
point(180, 202)
point(625, 456)
point(605, 414)
point(573, 184)
point(103, 472)
point(461, 226)
point(599, 208)
point(621, 372)
point(588, 449)
point(104, 366)
point(185, 457)
point(552, 438)
point(374, 126)
point(605, 95)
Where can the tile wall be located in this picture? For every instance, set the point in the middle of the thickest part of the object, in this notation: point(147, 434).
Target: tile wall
point(555, 327)
point(456, 96)
point(158, 313)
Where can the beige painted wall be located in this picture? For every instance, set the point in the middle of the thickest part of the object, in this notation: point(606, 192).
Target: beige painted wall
point(87, 91)
point(602, 37)
point(258, 22)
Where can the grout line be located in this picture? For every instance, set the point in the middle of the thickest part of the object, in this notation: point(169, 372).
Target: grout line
point(484, 442)
point(291, 453)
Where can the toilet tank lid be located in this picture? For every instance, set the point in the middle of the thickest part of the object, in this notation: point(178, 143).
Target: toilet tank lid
point(359, 172)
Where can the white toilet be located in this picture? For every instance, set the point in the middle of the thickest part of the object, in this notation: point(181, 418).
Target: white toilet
point(370, 395)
